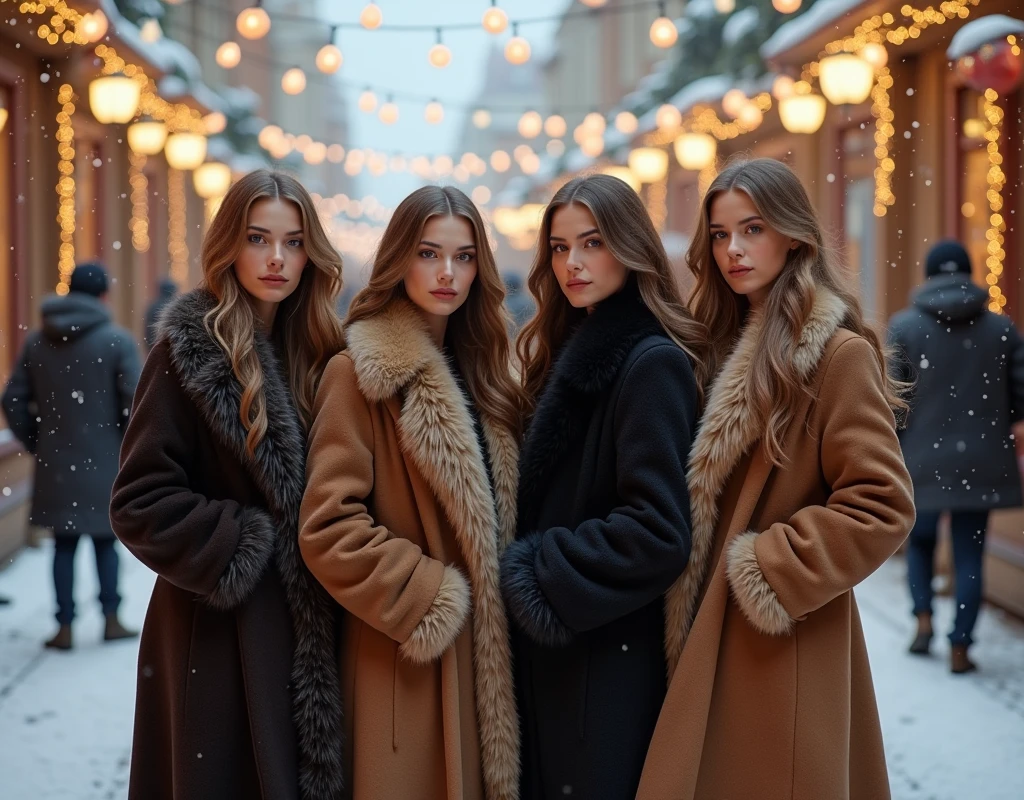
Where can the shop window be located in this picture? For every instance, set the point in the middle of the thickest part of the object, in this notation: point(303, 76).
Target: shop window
point(859, 222)
point(973, 188)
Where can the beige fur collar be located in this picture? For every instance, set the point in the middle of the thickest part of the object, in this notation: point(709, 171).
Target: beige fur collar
point(727, 431)
point(393, 354)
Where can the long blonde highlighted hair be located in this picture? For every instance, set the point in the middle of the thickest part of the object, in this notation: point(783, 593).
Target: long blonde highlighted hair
point(306, 325)
point(630, 236)
point(478, 331)
point(783, 204)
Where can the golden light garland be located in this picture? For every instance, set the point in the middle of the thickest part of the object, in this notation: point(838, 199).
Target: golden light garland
point(66, 187)
point(139, 223)
point(996, 181)
point(884, 131)
point(706, 120)
point(177, 249)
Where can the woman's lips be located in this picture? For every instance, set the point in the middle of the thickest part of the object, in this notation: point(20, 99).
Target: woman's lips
point(445, 294)
point(740, 271)
point(276, 280)
point(577, 284)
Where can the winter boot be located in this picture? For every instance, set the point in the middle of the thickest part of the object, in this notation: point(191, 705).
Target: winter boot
point(923, 638)
point(959, 663)
point(62, 641)
point(115, 630)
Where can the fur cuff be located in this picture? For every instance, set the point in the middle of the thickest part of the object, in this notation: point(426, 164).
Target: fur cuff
point(442, 623)
point(755, 597)
point(525, 599)
point(255, 547)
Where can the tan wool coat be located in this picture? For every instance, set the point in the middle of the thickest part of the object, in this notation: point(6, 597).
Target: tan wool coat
point(770, 693)
point(401, 525)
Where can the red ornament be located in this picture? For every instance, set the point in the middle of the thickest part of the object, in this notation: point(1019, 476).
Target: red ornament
point(995, 66)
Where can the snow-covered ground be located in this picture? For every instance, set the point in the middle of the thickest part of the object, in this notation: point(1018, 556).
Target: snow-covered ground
point(66, 718)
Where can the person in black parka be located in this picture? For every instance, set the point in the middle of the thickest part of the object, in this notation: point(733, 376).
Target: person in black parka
point(604, 517)
point(967, 367)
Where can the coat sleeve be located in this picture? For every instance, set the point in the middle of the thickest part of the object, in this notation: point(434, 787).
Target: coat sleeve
point(18, 398)
point(782, 574)
point(215, 548)
point(561, 581)
point(376, 574)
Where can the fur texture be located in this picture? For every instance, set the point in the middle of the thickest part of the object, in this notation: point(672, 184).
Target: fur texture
point(278, 469)
point(526, 601)
point(728, 430)
point(394, 354)
point(442, 623)
point(255, 548)
point(756, 599)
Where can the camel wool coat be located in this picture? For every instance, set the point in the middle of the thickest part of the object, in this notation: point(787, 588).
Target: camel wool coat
point(403, 524)
point(770, 694)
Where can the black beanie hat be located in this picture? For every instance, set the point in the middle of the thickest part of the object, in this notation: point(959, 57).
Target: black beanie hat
point(946, 258)
point(89, 277)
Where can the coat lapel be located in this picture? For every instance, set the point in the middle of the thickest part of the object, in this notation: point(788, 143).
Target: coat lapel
point(728, 431)
point(393, 354)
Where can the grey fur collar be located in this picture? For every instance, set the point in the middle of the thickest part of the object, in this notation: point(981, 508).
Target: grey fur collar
point(727, 431)
point(278, 470)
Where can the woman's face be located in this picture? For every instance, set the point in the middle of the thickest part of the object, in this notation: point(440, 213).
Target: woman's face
point(749, 253)
point(443, 266)
point(585, 268)
point(273, 254)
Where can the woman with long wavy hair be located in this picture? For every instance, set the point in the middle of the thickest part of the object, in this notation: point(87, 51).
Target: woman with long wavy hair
point(234, 695)
point(612, 365)
point(410, 500)
point(799, 492)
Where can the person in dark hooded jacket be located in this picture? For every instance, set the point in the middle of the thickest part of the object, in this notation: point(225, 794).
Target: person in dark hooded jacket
point(68, 402)
point(966, 363)
point(166, 292)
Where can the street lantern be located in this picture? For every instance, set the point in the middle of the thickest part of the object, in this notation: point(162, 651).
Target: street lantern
point(624, 174)
point(802, 113)
point(212, 179)
point(114, 98)
point(846, 79)
point(648, 164)
point(695, 151)
point(185, 151)
point(253, 22)
point(147, 136)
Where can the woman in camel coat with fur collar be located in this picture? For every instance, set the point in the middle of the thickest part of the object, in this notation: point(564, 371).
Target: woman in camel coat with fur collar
point(770, 694)
point(410, 499)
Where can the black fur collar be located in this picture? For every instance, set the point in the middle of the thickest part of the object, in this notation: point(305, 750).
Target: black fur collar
point(278, 469)
point(585, 368)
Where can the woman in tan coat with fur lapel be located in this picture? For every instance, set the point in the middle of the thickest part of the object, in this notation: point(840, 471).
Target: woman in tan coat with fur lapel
point(798, 493)
point(410, 499)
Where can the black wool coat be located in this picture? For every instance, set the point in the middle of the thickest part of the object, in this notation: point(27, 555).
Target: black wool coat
point(238, 693)
point(967, 365)
point(604, 531)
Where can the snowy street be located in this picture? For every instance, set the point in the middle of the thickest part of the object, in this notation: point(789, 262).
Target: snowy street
point(66, 718)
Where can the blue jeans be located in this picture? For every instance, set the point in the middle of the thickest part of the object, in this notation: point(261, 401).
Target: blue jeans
point(968, 529)
point(64, 574)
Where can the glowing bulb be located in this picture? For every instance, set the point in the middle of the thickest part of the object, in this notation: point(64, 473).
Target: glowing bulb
point(215, 122)
point(433, 113)
point(530, 164)
point(530, 125)
point(94, 25)
point(786, 6)
point(367, 102)
point(270, 135)
point(440, 56)
point(592, 146)
point(335, 153)
point(626, 122)
point(593, 3)
point(481, 195)
point(495, 20)
point(782, 87)
point(750, 116)
point(517, 50)
point(293, 81)
point(663, 32)
point(482, 118)
point(388, 113)
point(725, 6)
point(329, 59)
point(229, 54)
point(371, 17)
point(500, 161)
point(594, 123)
point(555, 148)
point(253, 23)
point(875, 54)
point(668, 118)
point(555, 127)
point(151, 32)
point(733, 102)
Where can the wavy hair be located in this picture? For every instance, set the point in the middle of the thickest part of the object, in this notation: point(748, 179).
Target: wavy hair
point(783, 204)
point(630, 236)
point(478, 330)
point(306, 325)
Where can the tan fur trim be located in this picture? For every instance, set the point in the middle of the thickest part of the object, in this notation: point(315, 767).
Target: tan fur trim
point(751, 590)
point(727, 432)
point(393, 351)
point(442, 623)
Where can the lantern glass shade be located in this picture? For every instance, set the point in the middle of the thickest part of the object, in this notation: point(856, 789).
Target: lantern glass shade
point(185, 151)
point(253, 23)
point(495, 20)
point(114, 98)
point(293, 81)
point(648, 164)
point(211, 179)
point(845, 79)
point(482, 118)
point(147, 137)
point(555, 127)
point(802, 113)
point(517, 50)
point(329, 59)
point(695, 151)
point(229, 55)
point(624, 174)
point(530, 125)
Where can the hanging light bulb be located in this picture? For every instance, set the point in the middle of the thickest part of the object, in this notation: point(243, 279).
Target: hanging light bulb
point(147, 136)
point(750, 116)
point(270, 135)
point(94, 25)
point(114, 98)
point(151, 32)
point(517, 49)
point(335, 153)
point(875, 54)
point(592, 146)
point(555, 127)
point(439, 56)
point(482, 118)
point(626, 122)
point(329, 58)
point(185, 151)
point(530, 164)
point(648, 164)
point(668, 118)
point(371, 17)
point(253, 22)
point(663, 30)
point(215, 122)
point(786, 6)
point(594, 124)
point(495, 20)
point(802, 113)
point(593, 3)
point(500, 161)
point(293, 81)
point(530, 125)
point(211, 179)
point(725, 6)
point(845, 79)
point(434, 112)
point(367, 102)
point(733, 102)
point(555, 148)
point(229, 54)
point(782, 87)
point(481, 195)
point(388, 113)
point(695, 151)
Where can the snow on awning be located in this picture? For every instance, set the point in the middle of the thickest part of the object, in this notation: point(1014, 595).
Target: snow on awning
point(818, 17)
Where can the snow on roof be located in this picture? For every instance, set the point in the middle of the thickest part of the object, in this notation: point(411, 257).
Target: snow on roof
point(817, 17)
point(982, 31)
point(701, 9)
point(740, 24)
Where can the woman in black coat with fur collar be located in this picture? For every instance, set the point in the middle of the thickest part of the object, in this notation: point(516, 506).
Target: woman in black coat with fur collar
point(612, 365)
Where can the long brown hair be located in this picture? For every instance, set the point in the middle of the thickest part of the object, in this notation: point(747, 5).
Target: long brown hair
point(783, 204)
point(630, 236)
point(306, 324)
point(478, 330)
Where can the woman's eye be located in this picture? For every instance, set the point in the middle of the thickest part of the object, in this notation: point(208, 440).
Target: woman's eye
point(255, 238)
point(558, 248)
point(718, 235)
point(754, 229)
point(466, 256)
point(295, 242)
point(593, 243)
point(427, 254)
